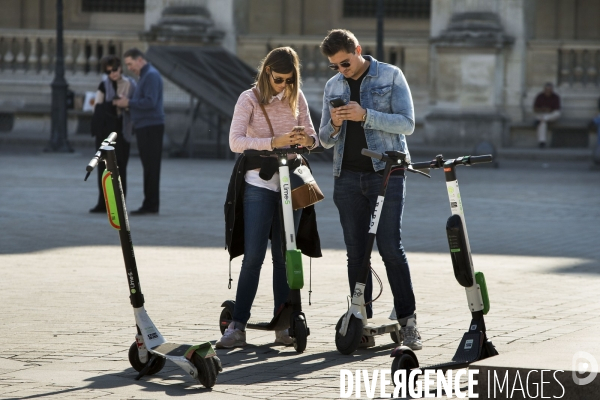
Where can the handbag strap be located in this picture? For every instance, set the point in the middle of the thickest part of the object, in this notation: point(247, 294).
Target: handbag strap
point(262, 107)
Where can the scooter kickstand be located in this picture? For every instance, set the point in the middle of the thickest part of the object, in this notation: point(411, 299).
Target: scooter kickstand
point(145, 370)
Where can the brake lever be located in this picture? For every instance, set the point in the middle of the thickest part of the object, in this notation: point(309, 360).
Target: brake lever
point(416, 171)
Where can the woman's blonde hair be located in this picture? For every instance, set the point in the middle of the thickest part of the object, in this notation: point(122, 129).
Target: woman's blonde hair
point(281, 60)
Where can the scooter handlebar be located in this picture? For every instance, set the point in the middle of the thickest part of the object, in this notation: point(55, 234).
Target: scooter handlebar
point(372, 154)
point(480, 159)
point(112, 138)
point(440, 162)
point(421, 165)
point(93, 162)
point(291, 150)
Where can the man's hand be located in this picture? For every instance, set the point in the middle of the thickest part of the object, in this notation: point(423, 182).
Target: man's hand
point(350, 112)
point(122, 102)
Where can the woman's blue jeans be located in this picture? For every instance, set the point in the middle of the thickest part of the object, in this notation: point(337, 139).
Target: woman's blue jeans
point(261, 217)
point(355, 195)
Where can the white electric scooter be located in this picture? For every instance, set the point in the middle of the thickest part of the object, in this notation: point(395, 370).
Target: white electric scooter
point(290, 315)
point(353, 325)
point(149, 352)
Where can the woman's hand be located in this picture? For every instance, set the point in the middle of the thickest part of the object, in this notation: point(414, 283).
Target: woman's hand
point(293, 138)
point(303, 139)
point(122, 102)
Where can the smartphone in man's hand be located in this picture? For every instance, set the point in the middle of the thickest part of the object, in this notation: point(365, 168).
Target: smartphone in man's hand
point(337, 102)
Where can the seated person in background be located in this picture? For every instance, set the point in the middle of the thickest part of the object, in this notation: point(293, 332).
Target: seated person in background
point(546, 108)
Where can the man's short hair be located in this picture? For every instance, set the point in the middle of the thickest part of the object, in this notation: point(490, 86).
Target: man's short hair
point(134, 53)
point(338, 40)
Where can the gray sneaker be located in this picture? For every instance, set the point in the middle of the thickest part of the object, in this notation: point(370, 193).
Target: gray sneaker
point(232, 338)
point(410, 334)
point(283, 337)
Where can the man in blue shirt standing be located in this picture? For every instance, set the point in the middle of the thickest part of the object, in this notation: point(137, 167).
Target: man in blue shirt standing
point(148, 118)
point(378, 114)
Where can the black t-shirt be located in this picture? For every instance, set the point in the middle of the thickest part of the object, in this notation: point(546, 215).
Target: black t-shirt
point(356, 140)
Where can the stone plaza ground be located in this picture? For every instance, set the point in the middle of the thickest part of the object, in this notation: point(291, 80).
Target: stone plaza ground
point(66, 323)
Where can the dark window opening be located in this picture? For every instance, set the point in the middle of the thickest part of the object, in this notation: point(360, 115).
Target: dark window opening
point(410, 9)
point(113, 6)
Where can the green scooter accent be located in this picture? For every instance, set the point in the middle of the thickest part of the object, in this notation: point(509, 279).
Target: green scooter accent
point(293, 266)
point(480, 279)
point(111, 200)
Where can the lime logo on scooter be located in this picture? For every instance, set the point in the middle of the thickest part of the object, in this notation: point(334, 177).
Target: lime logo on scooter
point(131, 282)
point(286, 193)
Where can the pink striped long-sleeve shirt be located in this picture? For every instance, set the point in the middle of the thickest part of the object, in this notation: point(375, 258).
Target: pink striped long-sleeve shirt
point(249, 127)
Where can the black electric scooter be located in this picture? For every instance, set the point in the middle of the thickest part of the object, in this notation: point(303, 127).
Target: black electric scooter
point(149, 352)
point(474, 345)
point(289, 315)
point(353, 325)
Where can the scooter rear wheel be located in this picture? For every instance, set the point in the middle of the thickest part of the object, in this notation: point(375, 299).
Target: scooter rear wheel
point(394, 337)
point(224, 318)
point(207, 370)
point(300, 335)
point(134, 360)
point(349, 343)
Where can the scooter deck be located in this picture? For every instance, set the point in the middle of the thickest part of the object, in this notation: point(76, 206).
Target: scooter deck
point(279, 325)
point(380, 326)
point(279, 322)
point(169, 350)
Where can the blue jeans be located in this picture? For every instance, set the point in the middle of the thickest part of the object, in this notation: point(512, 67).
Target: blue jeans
point(261, 216)
point(355, 194)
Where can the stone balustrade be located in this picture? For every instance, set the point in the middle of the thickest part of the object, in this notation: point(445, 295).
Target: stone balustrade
point(33, 51)
point(252, 48)
point(578, 65)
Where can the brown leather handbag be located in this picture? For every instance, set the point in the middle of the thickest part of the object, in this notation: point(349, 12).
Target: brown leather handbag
point(307, 194)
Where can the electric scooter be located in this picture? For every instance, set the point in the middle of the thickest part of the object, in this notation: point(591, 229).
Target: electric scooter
point(289, 315)
point(149, 352)
point(474, 345)
point(353, 325)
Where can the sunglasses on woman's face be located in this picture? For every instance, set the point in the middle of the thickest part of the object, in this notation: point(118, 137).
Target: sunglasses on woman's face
point(343, 64)
point(279, 80)
point(113, 69)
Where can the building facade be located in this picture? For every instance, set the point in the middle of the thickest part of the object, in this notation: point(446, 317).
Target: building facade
point(473, 66)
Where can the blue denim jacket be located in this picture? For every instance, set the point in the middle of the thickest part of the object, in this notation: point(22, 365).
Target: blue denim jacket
point(386, 96)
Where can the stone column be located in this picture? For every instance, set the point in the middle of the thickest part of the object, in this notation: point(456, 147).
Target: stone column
point(476, 71)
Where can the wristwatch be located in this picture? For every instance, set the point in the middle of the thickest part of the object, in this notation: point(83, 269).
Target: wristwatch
point(364, 118)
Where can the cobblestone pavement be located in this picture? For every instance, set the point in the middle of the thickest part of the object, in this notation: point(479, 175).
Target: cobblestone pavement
point(66, 323)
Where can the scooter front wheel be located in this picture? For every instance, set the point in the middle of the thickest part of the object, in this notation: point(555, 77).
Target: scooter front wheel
point(300, 335)
point(134, 360)
point(349, 343)
point(207, 370)
point(404, 362)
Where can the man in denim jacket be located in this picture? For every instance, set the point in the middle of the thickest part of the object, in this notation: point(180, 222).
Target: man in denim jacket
point(377, 115)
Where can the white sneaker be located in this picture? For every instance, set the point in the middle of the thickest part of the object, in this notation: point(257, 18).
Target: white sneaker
point(231, 338)
point(283, 337)
point(410, 334)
